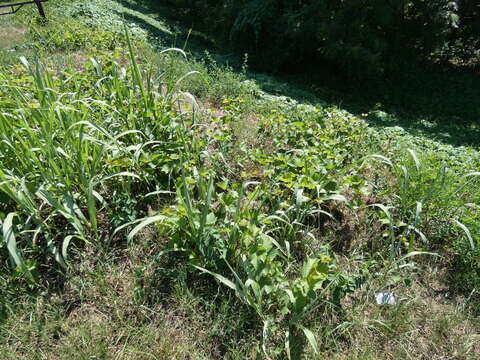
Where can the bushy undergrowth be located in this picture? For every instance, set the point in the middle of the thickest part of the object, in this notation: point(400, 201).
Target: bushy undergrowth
point(362, 38)
point(301, 212)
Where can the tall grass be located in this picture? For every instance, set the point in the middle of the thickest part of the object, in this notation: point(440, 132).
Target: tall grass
point(68, 142)
point(429, 202)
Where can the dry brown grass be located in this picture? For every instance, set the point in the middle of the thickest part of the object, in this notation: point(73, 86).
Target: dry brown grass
point(97, 317)
point(11, 35)
point(428, 322)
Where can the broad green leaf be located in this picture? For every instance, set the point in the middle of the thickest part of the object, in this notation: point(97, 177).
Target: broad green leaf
point(9, 238)
point(11, 242)
point(467, 233)
point(384, 159)
point(310, 337)
point(219, 277)
point(415, 158)
point(144, 223)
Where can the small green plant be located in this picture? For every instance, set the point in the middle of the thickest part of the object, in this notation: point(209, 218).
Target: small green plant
point(425, 202)
point(226, 235)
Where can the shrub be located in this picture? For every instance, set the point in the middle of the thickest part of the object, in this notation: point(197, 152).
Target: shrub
point(362, 37)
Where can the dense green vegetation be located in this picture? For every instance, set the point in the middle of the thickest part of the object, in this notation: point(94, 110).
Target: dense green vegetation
point(155, 204)
point(363, 37)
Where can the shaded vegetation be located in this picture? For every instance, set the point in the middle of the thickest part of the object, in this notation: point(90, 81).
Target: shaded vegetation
point(364, 38)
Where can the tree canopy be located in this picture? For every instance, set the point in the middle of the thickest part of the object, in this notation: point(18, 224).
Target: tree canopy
point(360, 36)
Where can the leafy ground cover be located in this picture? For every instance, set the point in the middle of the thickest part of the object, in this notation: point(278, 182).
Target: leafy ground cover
point(156, 205)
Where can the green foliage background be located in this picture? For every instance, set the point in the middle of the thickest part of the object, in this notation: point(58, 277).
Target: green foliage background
point(361, 37)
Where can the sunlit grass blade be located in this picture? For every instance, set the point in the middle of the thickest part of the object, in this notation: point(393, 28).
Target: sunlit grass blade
point(310, 337)
point(11, 242)
point(467, 233)
point(144, 223)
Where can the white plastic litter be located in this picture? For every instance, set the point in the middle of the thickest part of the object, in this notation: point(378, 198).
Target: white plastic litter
point(385, 298)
